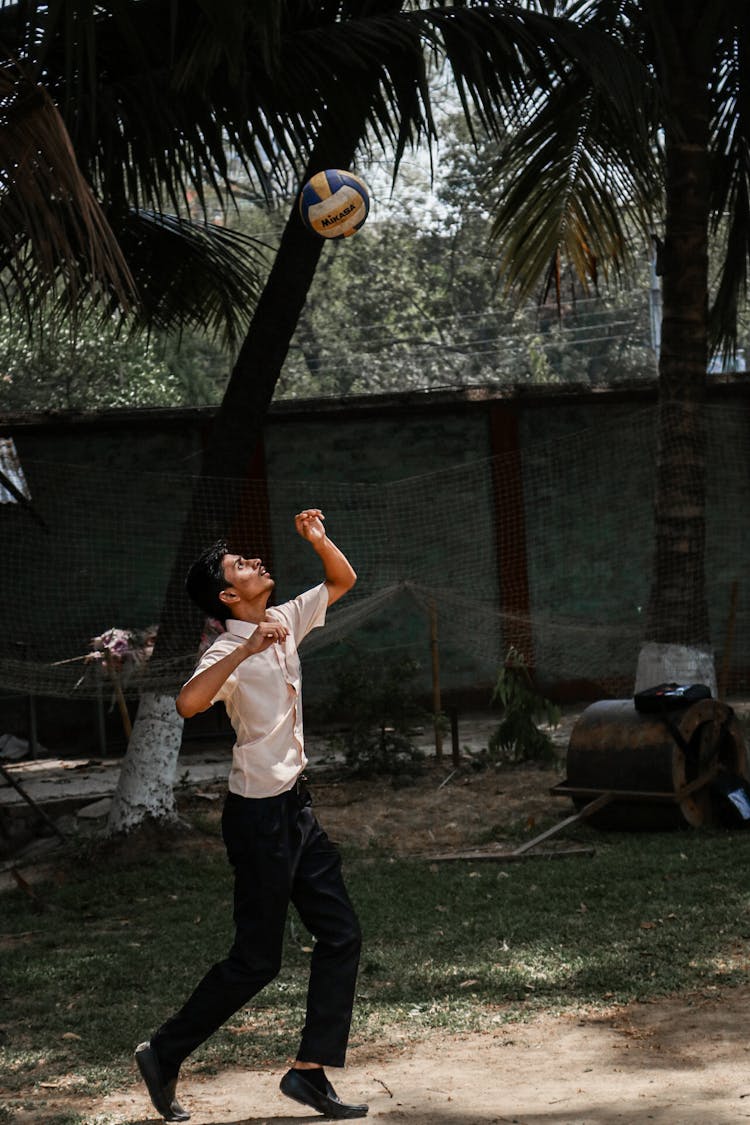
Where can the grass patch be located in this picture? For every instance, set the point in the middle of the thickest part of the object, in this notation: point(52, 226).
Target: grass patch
point(454, 946)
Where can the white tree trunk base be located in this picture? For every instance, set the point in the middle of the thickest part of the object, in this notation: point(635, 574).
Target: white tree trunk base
point(680, 664)
point(145, 790)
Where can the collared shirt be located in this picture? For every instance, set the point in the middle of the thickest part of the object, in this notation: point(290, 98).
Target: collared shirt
point(263, 698)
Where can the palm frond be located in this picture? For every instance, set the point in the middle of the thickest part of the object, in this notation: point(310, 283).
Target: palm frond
point(193, 274)
point(730, 183)
point(51, 226)
point(263, 79)
point(571, 183)
point(156, 92)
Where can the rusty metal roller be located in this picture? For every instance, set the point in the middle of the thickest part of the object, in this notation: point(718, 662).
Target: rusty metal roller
point(655, 770)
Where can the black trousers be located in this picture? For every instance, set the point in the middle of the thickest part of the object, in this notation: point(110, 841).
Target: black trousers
point(280, 854)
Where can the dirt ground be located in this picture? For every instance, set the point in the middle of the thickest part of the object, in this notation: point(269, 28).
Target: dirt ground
point(678, 1061)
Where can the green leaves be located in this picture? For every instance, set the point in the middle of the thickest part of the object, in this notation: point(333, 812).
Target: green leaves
point(194, 274)
point(52, 230)
point(573, 185)
point(518, 738)
point(157, 93)
point(730, 184)
point(164, 97)
point(585, 169)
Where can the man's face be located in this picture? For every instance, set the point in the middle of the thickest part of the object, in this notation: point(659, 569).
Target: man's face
point(247, 576)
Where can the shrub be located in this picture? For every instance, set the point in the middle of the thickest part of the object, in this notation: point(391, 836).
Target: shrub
point(379, 707)
point(518, 738)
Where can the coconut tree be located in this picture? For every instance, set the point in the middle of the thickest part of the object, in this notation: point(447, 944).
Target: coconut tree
point(574, 179)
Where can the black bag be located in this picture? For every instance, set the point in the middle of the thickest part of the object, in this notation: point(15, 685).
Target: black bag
point(663, 699)
point(731, 800)
point(669, 697)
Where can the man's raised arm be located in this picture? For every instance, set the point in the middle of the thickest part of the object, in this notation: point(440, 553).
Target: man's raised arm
point(338, 571)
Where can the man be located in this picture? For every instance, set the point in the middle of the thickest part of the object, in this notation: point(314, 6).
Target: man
point(278, 851)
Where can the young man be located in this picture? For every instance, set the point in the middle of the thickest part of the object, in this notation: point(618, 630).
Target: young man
point(278, 851)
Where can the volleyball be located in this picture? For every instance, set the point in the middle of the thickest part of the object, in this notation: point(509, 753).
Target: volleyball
point(334, 204)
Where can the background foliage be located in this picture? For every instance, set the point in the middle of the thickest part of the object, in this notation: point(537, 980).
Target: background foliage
point(412, 301)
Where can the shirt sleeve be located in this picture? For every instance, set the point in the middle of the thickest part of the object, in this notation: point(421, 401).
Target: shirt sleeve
point(221, 647)
point(304, 613)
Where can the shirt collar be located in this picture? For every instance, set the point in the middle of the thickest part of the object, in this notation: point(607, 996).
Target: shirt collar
point(240, 628)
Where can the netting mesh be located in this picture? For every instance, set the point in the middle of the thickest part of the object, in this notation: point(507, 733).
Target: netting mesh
point(550, 551)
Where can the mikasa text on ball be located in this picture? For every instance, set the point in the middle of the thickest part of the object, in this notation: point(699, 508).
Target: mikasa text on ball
point(334, 203)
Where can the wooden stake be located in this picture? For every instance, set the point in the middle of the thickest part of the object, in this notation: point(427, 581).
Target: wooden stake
point(455, 748)
point(437, 706)
point(127, 726)
point(726, 658)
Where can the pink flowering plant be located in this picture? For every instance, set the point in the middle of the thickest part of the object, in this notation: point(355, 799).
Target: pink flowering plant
point(123, 650)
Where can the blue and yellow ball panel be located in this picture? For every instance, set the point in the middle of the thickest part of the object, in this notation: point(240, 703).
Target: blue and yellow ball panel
point(334, 204)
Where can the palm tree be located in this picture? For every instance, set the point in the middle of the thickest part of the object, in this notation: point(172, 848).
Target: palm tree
point(572, 180)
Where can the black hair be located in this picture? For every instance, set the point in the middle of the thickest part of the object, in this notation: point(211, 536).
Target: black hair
point(205, 581)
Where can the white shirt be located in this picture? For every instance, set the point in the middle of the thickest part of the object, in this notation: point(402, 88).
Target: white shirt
point(263, 698)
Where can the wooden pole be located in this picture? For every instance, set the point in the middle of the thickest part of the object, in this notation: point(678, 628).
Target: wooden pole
point(726, 659)
point(455, 748)
point(119, 696)
point(33, 727)
point(437, 706)
point(100, 720)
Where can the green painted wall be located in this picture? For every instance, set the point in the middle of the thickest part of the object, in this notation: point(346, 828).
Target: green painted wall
point(402, 519)
point(409, 495)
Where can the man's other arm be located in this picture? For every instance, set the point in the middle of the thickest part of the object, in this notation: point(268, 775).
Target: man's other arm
point(199, 693)
point(339, 572)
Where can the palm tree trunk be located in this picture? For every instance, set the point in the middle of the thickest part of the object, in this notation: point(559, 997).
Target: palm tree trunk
point(677, 628)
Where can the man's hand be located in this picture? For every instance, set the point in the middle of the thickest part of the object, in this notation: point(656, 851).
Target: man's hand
point(309, 525)
point(268, 632)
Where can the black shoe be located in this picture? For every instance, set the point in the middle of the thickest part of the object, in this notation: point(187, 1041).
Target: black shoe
point(161, 1092)
point(296, 1086)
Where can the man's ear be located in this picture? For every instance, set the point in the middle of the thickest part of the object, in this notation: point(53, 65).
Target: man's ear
point(228, 596)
